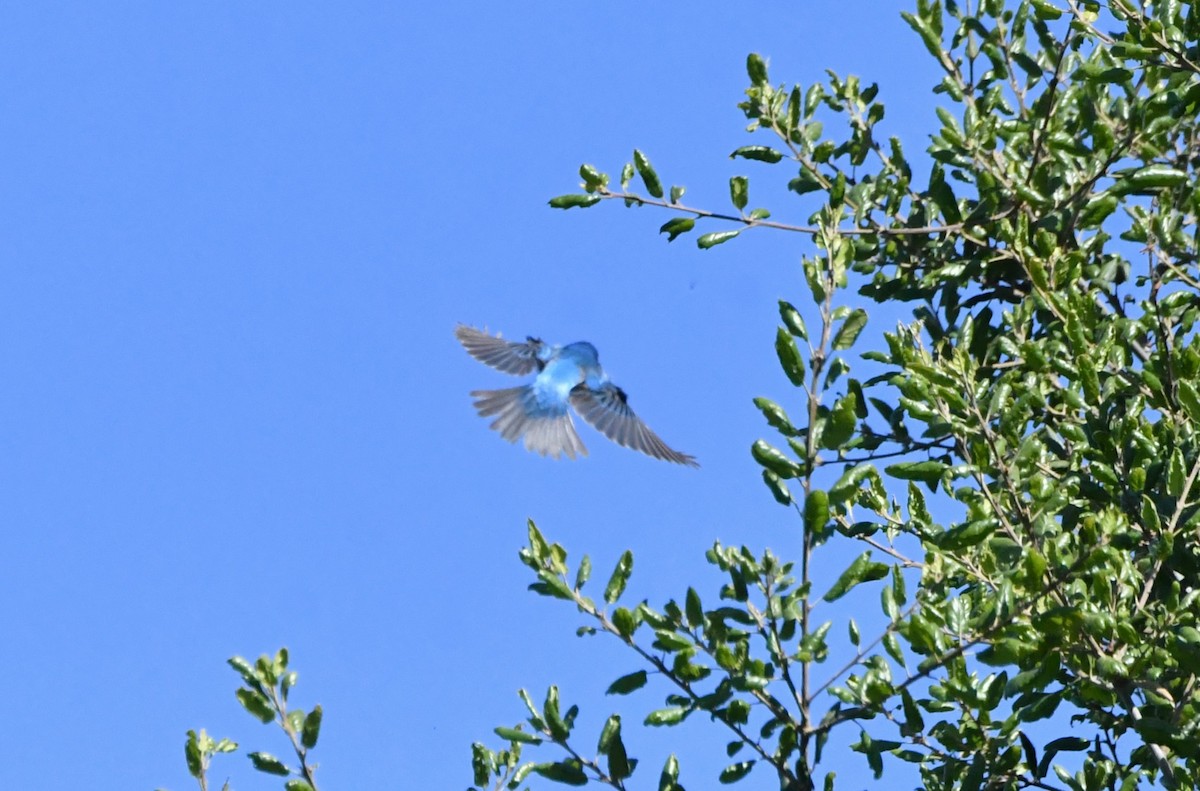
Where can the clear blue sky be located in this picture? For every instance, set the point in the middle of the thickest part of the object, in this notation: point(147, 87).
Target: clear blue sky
point(236, 241)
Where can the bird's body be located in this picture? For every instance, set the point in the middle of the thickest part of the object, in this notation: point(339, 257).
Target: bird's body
point(566, 367)
point(567, 377)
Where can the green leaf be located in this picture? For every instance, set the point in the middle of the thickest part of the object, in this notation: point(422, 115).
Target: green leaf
point(1028, 65)
point(1068, 744)
point(914, 722)
point(793, 320)
point(1150, 179)
point(245, 670)
point(517, 735)
point(627, 683)
point(967, 534)
point(735, 772)
point(1030, 195)
point(625, 621)
point(778, 488)
point(773, 459)
point(1157, 731)
point(572, 201)
point(931, 39)
point(673, 715)
point(776, 417)
point(537, 544)
point(758, 154)
point(535, 718)
point(1096, 210)
point(551, 585)
point(620, 576)
point(568, 772)
point(612, 727)
point(1089, 379)
point(481, 763)
point(676, 226)
point(929, 472)
point(756, 67)
point(558, 727)
point(1037, 273)
point(837, 192)
point(1007, 651)
point(816, 511)
point(842, 421)
point(815, 276)
point(583, 573)
point(646, 171)
point(592, 178)
point(845, 486)
point(670, 642)
point(806, 181)
point(287, 681)
point(795, 108)
point(619, 766)
point(943, 196)
point(626, 175)
point(522, 772)
point(715, 238)
point(670, 774)
point(296, 784)
point(863, 569)
point(312, 727)
point(693, 609)
point(739, 187)
point(848, 333)
point(1190, 399)
point(1176, 477)
point(837, 367)
point(256, 703)
point(265, 762)
point(1046, 10)
point(860, 401)
point(677, 193)
point(618, 760)
point(193, 755)
point(1150, 519)
point(789, 357)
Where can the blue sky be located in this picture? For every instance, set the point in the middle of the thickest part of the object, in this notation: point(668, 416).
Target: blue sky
point(237, 239)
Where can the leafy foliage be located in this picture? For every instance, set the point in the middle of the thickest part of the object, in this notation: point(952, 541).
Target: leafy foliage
point(267, 683)
point(1044, 391)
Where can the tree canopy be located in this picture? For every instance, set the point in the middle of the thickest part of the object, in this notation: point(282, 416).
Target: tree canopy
point(1012, 472)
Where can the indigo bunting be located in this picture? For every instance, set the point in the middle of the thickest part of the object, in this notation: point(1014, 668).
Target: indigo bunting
point(567, 376)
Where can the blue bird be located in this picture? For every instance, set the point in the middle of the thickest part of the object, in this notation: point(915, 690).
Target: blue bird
point(567, 376)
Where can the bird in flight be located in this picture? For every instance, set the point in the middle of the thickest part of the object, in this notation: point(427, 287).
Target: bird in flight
point(567, 376)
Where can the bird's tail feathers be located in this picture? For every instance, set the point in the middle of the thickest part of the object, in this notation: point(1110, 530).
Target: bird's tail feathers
point(546, 431)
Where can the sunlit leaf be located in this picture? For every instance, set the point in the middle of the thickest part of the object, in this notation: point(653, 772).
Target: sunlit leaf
point(715, 238)
point(627, 683)
point(574, 201)
point(648, 174)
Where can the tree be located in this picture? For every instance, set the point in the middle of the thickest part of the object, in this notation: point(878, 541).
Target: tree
point(266, 685)
point(1042, 403)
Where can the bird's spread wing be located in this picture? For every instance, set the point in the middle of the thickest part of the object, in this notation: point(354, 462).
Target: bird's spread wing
point(607, 409)
point(512, 357)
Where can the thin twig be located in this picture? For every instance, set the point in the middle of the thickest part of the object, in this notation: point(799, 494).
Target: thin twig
point(753, 223)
